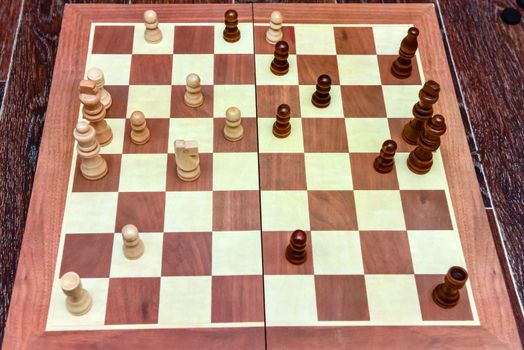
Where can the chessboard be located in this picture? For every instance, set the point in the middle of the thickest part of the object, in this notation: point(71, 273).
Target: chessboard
point(214, 273)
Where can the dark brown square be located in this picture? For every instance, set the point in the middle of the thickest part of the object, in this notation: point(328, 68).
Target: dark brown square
point(384, 65)
point(365, 177)
point(133, 301)
point(194, 39)
point(282, 171)
point(341, 298)
point(119, 96)
point(433, 312)
point(386, 252)
point(159, 130)
point(180, 110)
point(332, 210)
point(203, 183)
point(396, 125)
point(151, 70)
point(108, 183)
point(236, 210)
point(270, 97)
point(234, 69)
point(263, 47)
point(363, 101)
point(237, 299)
point(310, 67)
point(145, 210)
point(355, 40)
point(274, 248)
point(324, 135)
point(248, 143)
point(186, 254)
point(426, 210)
point(89, 255)
point(113, 40)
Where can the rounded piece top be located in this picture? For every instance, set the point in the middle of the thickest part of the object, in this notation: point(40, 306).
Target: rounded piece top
point(69, 281)
point(299, 237)
point(95, 74)
point(413, 31)
point(390, 146)
point(324, 80)
point(150, 17)
point(283, 110)
point(130, 232)
point(276, 17)
point(437, 120)
point(82, 127)
point(193, 80)
point(137, 118)
point(231, 16)
point(233, 114)
point(282, 47)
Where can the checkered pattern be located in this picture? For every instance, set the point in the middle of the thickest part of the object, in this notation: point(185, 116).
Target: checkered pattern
point(378, 244)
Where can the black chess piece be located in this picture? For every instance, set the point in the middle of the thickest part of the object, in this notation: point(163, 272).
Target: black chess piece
point(231, 33)
point(280, 65)
point(321, 97)
point(446, 295)
point(385, 162)
point(402, 66)
point(282, 126)
point(296, 250)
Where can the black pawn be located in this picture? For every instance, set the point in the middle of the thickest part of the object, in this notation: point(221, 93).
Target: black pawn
point(231, 33)
point(321, 97)
point(282, 126)
point(385, 162)
point(296, 250)
point(280, 65)
point(446, 295)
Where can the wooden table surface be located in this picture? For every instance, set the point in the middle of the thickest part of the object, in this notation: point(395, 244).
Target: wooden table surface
point(486, 57)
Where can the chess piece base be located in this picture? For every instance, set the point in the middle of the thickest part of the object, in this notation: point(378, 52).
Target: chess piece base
point(294, 258)
point(279, 70)
point(192, 101)
point(234, 136)
point(81, 306)
point(281, 133)
point(381, 167)
point(273, 39)
point(419, 166)
point(106, 100)
point(320, 103)
point(140, 138)
point(401, 71)
point(188, 175)
point(134, 252)
point(231, 37)
point(153, 36)
point(94, 169)
point(446, 304)
point(410, 134)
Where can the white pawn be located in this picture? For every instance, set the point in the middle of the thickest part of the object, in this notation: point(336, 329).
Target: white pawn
point(96, 75)
point(233, 131)
point(193, 96)
point(133, 246)
point(139, 131)
point(187, 160)
point(78, 301)
point(152, 34)
point(274, 32)
point(92, 166)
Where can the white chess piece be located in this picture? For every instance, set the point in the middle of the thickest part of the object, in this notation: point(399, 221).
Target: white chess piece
point(152, 34)
point(96, 75)
point(78, 301)
point(187, 160)
point(140, 133)
point(92, 166)
point(233, 130)
point(274, 32)
point(193, 96)
point(133, 246)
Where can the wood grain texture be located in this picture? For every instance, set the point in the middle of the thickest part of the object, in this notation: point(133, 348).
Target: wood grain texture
point(9, 12)
point(21, 125)
point(477, 241)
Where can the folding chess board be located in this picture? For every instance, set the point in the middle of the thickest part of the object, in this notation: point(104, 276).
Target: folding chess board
point(214, 274)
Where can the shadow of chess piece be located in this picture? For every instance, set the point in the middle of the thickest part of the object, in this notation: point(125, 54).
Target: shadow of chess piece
point(422, 111)
point(280, 65)
point(296, 250)
point(385, 162)
point(231, 33)
point(321, 97)
point(447, 295)
point(402, 66)
point(282, 126)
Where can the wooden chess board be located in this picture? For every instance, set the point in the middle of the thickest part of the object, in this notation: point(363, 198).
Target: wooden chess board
point(214, 273)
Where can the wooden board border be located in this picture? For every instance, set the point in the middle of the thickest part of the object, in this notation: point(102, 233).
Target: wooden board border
point(30, 300)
